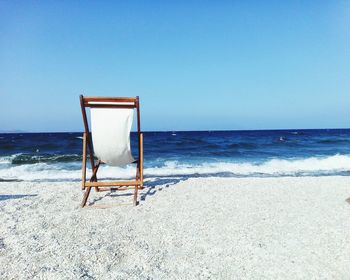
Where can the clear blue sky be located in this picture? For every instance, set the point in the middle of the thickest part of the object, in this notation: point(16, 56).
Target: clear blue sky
point(195, 64)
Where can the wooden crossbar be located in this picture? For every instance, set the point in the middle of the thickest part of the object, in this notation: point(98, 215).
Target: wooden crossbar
point(112, 183)
point(88, 99)
point(126, 106)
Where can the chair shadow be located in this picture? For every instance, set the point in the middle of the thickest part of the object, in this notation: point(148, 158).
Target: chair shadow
point(348, 200)
point(109, 194)
point(161, 183)
point(149, 186)
point(15, 196)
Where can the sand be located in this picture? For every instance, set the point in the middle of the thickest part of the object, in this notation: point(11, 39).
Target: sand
point(200, 228)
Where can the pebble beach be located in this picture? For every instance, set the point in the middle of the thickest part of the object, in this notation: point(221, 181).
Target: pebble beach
point(199, 228)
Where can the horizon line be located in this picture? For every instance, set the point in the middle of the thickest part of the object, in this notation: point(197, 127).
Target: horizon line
point(201, 130)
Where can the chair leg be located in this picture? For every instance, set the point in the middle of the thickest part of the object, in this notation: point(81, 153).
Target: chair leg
point(83, 168)
point(137, 171)
point(85, 197)
point(138, 177)
point(94, 175)
point(135, 195)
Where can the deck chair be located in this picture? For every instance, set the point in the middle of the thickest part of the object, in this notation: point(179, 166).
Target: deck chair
point(109, 142)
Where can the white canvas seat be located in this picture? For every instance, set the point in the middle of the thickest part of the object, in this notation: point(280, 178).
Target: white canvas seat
point(110, 129)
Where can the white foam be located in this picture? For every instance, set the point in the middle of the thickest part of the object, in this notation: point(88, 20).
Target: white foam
point(7, 159)
point(275, 167)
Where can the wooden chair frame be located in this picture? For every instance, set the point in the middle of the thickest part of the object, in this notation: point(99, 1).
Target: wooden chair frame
point(109, 102)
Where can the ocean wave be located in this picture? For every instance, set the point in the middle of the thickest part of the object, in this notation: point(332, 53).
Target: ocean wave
point(275, 167)
point(334, 141)
point(22, 158)
point(315, 166)
point(6, 159)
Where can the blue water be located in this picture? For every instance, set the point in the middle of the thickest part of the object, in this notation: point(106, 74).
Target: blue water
point(57, 156)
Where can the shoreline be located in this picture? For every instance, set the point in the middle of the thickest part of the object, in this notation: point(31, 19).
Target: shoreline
point(250, 228)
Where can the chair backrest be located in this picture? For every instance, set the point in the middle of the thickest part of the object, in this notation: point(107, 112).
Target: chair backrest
point(111, 122)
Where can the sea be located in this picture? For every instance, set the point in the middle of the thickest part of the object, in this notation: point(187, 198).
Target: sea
point(184, 154)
